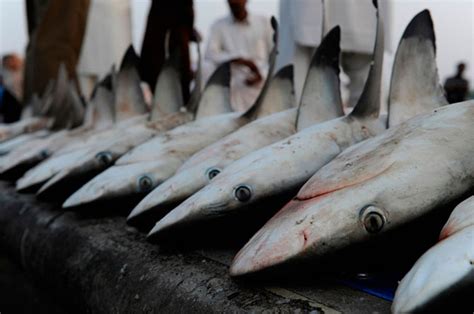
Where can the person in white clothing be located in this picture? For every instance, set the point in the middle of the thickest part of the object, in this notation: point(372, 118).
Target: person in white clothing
point(246, 39)
point(108, 34)
point(302, 24)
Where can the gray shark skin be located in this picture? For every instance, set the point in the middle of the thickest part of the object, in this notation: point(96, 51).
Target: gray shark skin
point(165, 115)
point(191, 177)
point(285, 165)
point(154, 132)
point(129, 110)
point(129, 100)
point(98, 150)
point(16, 142)
point(320, 93)
point(99, 116)
point(9, 131)
point(171, 149)
point(369, 189)
point(445, 270)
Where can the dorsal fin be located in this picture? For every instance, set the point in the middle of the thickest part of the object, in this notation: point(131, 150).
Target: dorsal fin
point(129, 101)
point(76, 111)
point(280, 94)
point(193, 102)
point(415, 87)
point(99, 110)
point(168, 95)
point(55, 94)
point(70, 112)
point(368, 105)
point(321, 95)
point(215, 98)
point(253, 111)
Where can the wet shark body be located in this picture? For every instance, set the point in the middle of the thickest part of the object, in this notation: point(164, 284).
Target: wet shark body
point(165, 115)
point(10, 131)
point(163, 155)
point(337, 190)
point(129, 111)
point(99, 116)
point(443, 277)
point(285, 166)
point(217, 89)
point(148, 165)
point(372, 188)
point(320, 102)
point(16, 142)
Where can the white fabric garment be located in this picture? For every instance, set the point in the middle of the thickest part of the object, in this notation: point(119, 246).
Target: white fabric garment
point(306, 21)
point(229, 39)
point(301, 23)
point(108, 34)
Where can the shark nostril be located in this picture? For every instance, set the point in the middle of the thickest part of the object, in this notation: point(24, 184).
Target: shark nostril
point(243, 193)
point(44, 153)
point(145, 184)
point(373, 219)
point(373, 222)
point(212, 173)
point(105, 158)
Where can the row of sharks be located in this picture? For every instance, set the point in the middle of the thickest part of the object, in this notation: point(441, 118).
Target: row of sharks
point(345, 178)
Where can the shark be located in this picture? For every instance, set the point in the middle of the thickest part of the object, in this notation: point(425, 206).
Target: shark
point(98, 116)
point(129, 110)
point(284, 166)
point(149, 164)
point(381, 183)
point(445, 273)
point(166, 114)
point(320, 102)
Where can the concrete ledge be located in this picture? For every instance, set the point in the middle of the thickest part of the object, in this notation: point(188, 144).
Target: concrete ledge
point(99, 265)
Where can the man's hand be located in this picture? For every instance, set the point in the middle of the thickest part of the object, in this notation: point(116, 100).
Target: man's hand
point(253, 79)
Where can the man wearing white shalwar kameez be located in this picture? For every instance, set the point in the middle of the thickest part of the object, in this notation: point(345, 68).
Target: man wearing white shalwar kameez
point(108, 35)
point(301, 31)
point(247, 41)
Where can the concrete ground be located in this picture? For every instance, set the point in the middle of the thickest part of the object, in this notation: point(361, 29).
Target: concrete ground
point(86, 263)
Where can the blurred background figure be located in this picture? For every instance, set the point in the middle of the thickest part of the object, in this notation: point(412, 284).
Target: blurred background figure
point(302, 25)
point(108, 34)
point(56, 30)
point(457, 87)
point(11, 89)
point(246, 39)
point(12, 74)
point(169, 23)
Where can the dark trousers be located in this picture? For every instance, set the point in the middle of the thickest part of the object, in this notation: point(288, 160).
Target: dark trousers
point(175, 17)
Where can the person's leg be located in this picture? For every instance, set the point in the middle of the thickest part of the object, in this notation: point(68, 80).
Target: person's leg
point(301, 62)
point(356, 66)
point(152, 55)
point(58, 39)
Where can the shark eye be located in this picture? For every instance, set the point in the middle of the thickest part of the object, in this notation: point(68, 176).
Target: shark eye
point(44, 153)
point(243, 193)
point(145, 184)
point(373, 219)
point(105, 158)
point(212, 173)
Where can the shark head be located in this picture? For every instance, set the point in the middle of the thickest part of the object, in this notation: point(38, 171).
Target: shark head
point(337, 206)
point(213, 201)
point(171, 192)
point(368, 190)
point(245, 182)
point(118, 182)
